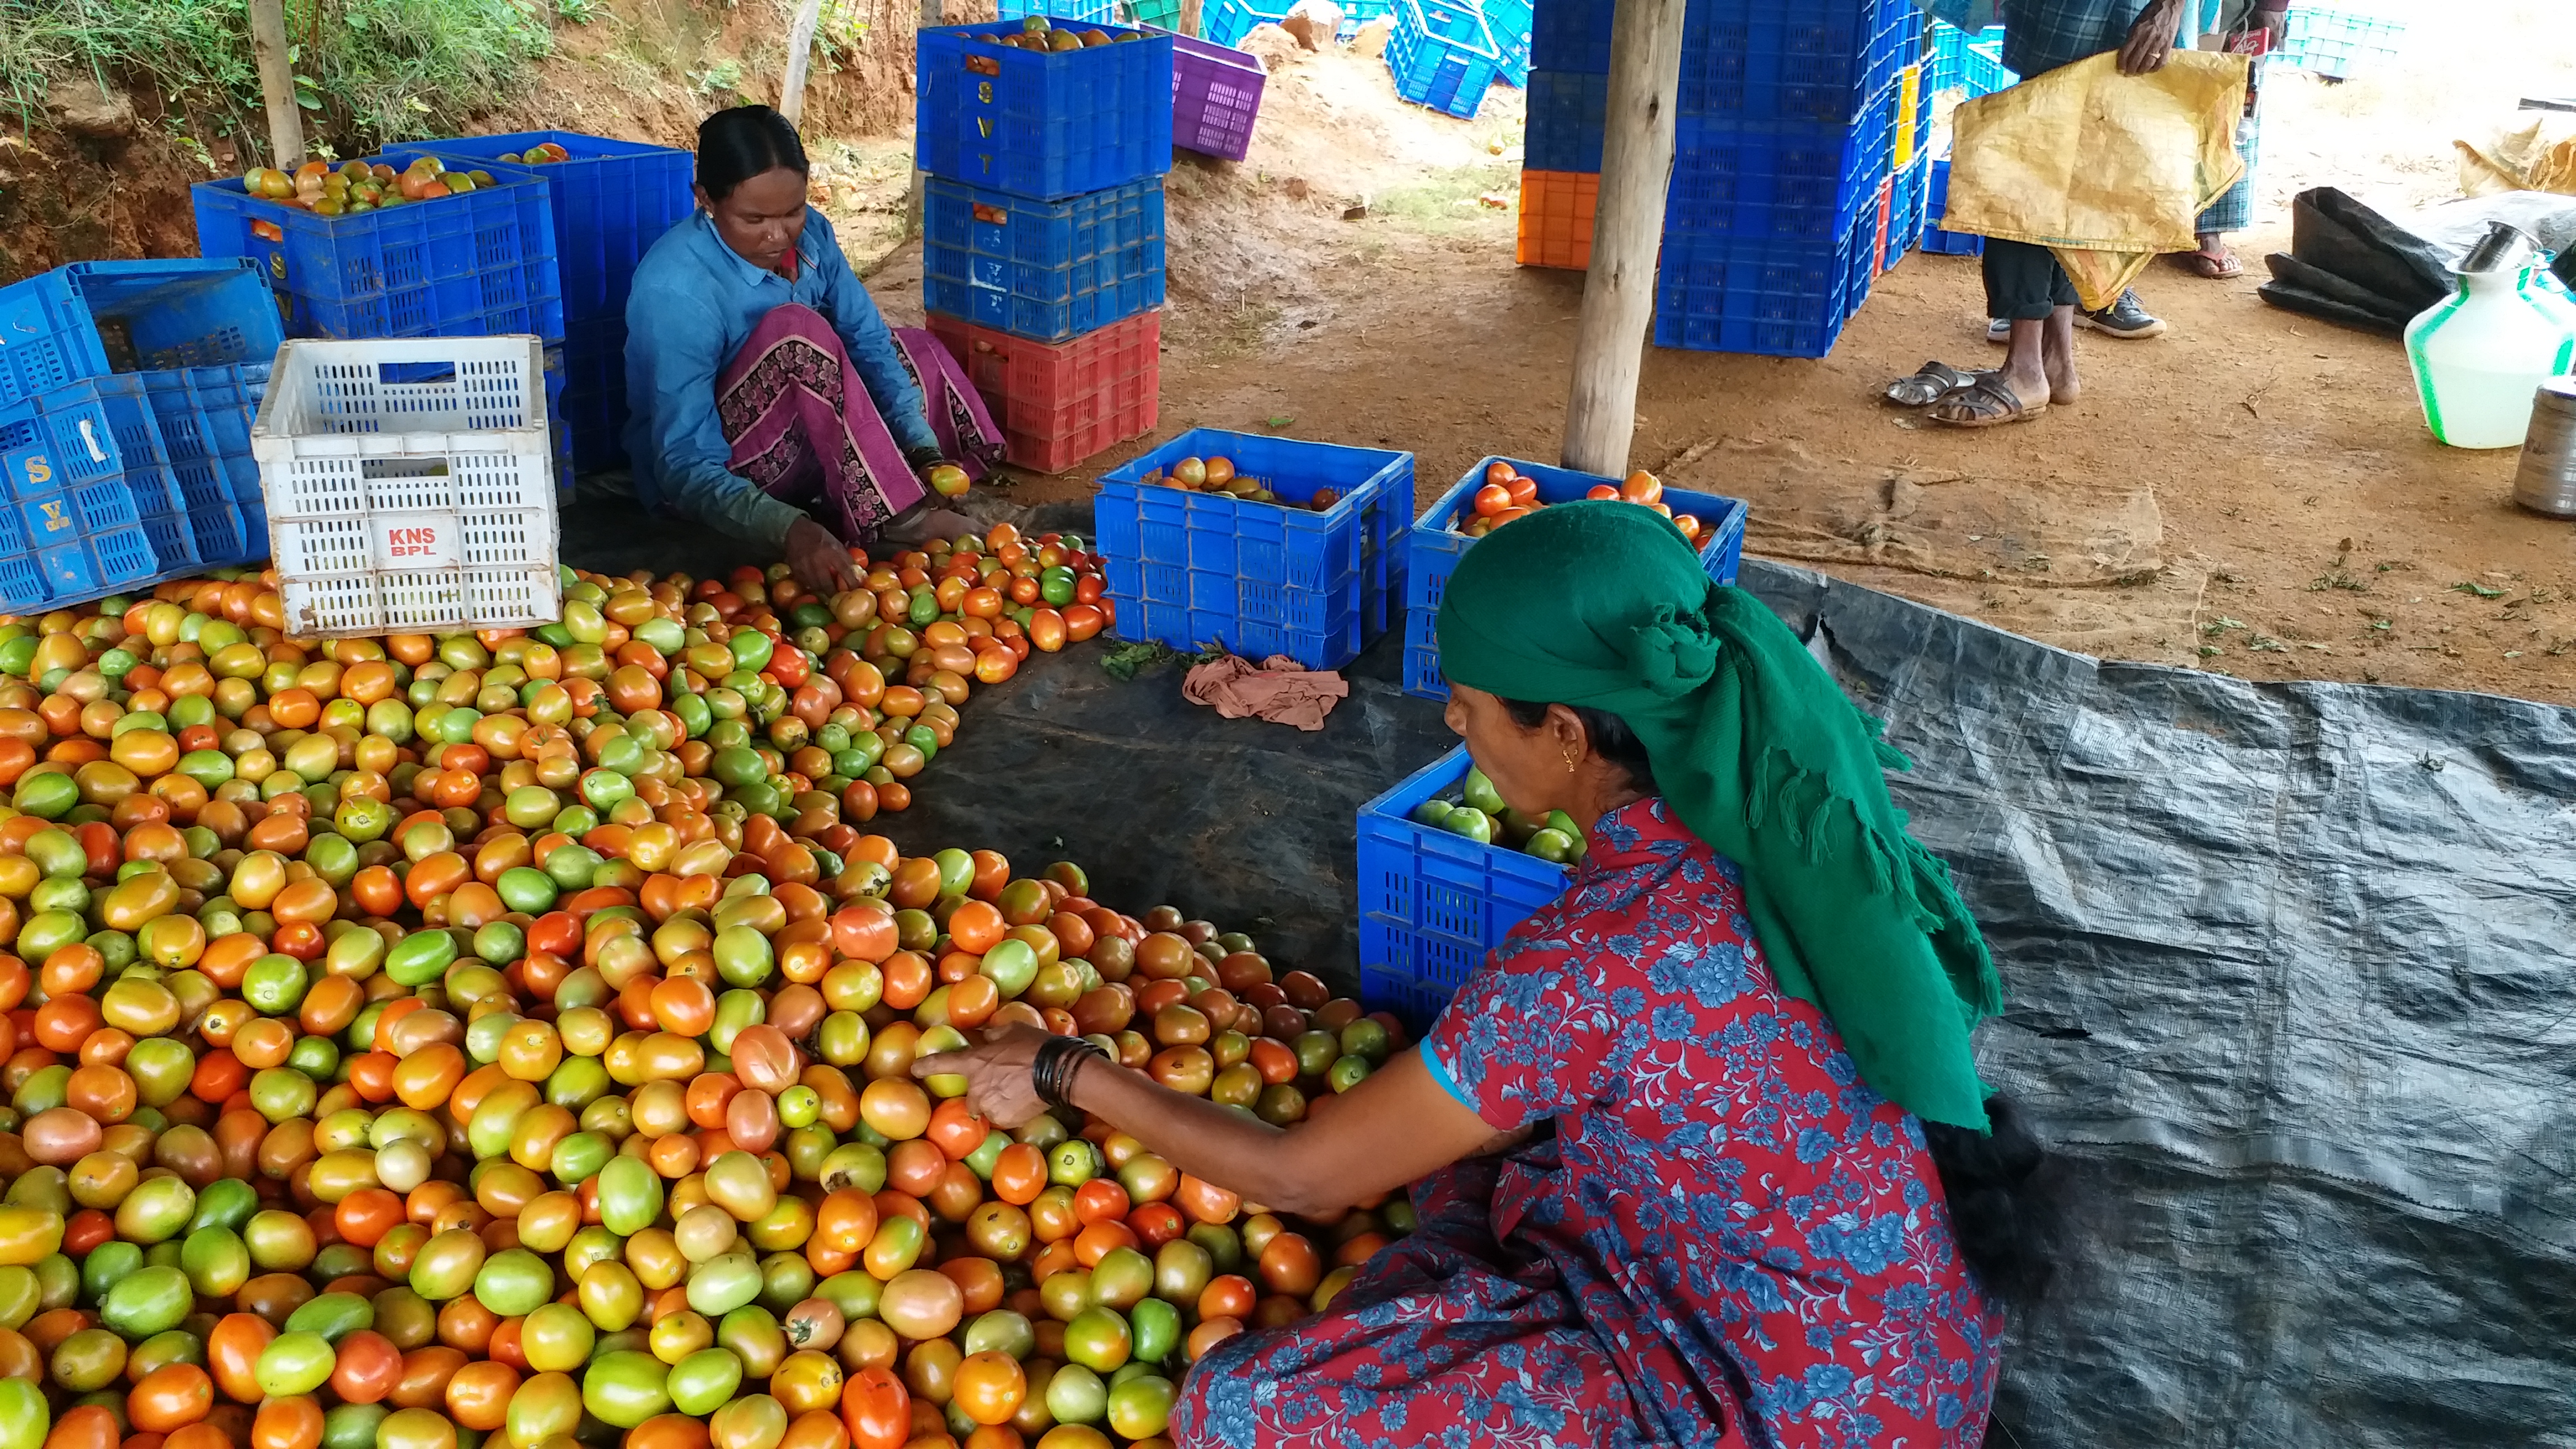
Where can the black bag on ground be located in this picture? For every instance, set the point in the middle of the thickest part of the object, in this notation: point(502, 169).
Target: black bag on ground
point(2350, 265)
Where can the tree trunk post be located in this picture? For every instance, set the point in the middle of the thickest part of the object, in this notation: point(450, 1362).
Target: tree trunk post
point(268, 46)
point(1190, 17)
point(1627, 231)
point(800, 54)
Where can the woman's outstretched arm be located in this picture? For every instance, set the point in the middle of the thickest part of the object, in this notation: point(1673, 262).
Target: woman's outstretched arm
point(1395, 1126)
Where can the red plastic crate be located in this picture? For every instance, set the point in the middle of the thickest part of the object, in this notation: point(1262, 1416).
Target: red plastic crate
point(1059, 403)
point(1556, 219)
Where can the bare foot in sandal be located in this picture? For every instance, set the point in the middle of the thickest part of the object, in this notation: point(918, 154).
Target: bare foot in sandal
point(2212, 262)
point(2038, 373)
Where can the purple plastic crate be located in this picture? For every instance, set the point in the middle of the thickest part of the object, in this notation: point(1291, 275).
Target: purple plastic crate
point(1216, 95)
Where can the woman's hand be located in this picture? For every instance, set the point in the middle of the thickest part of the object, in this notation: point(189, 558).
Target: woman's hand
point(821, 561)
point(998, 1085)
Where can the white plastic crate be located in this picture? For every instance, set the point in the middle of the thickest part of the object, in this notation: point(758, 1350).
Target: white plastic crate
point(410, 485)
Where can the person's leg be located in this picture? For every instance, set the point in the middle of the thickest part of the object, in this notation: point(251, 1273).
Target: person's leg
point(2057, 339)
point(2029, 292)
point(2233, 211)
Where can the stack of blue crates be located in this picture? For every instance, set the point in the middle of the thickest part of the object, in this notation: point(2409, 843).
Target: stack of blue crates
point(1973, 66)
point(1569, 86)
point(611, 201)
point(1788, 120)
point(1043, 213)
point(127, 391)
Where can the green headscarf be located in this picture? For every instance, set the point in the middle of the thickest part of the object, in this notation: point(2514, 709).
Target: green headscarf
point(1759, 752)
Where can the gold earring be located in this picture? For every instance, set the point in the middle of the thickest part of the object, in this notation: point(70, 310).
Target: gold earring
point(1569, 762)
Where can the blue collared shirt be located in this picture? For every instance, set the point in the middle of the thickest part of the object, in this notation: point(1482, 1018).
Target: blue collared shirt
point(695, 301)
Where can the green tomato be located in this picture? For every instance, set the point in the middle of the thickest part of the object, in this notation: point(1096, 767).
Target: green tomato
point(514, 1282)
point(215, 1260)
point(704, 1381)
point(293, 1364)
point(624, 1389)
point(25, 1418)
point(333, 1315)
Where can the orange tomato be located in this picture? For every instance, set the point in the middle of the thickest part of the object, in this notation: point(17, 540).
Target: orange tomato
point(170, 1397)
point(294, 1423)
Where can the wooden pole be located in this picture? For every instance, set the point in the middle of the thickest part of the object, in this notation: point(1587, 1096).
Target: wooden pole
point(268, 47)
point(1627, 231)
point(1190, 17)
point(800, 53)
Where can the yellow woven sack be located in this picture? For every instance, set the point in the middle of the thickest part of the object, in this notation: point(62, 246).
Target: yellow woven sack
point(2104, 169)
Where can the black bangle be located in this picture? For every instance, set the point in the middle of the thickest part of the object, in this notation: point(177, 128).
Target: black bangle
point(1052, 1070)
point(916, 458)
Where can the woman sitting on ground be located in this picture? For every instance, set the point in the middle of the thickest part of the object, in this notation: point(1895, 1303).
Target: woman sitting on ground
point(1700, 1152)
point(769, 400)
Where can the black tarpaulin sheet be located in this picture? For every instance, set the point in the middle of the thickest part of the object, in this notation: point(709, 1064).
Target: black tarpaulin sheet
point(2290, 974)
point(2291, 987)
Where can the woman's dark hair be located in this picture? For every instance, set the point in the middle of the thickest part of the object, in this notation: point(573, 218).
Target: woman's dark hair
point(1611, 738)
point(2000, 1183)
point(738, 144)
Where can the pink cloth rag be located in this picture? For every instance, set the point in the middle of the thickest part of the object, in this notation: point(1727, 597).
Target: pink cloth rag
point(1277, 689)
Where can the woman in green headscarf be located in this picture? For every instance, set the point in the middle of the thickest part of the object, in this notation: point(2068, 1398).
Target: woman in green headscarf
point(1703, 1155)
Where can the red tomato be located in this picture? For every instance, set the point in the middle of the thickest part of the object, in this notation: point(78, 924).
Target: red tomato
point(877, 1409)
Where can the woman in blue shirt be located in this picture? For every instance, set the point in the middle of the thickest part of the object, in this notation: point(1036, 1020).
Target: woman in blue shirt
point(768, 398)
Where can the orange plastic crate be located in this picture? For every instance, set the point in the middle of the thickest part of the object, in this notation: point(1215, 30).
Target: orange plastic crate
point(1556, 218)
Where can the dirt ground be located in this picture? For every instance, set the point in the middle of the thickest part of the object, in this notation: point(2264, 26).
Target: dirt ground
point(2254, 493)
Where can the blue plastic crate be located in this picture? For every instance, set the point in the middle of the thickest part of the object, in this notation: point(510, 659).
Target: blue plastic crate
point(2331, 43)
point(1048, 271)
point(611, 202)
point(92, 508)
point(1777, 180)
point(1432, 903)
point(477, 265)
point(79, 433)
point(97, 565)
point(1226, 22)
point(1775, 299)
point(1911, 190)
point(1935, 201)
point(94, 319)
point(174, 544)
point(222, 536)
point(1044, 126)
point(1568, 111)
point(1080, 12)
point(1958, 61)
point(22, 582)
point(202, 412)
point(1194, 569)
point(1860, 246)
point(594, 396)
point(1982, 71)
point(1442, 56)
point(1792, 60)
point(1434, 546)
point(1572, 36)
point(1510, 22)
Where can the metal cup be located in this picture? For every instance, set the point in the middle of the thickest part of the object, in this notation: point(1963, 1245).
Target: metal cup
point(2546, 480)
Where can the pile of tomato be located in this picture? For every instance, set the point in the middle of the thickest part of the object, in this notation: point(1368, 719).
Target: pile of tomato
point(1507, 494)
point(420, 1040)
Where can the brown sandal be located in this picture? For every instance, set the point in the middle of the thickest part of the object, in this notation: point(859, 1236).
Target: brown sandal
point(1986, 402)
